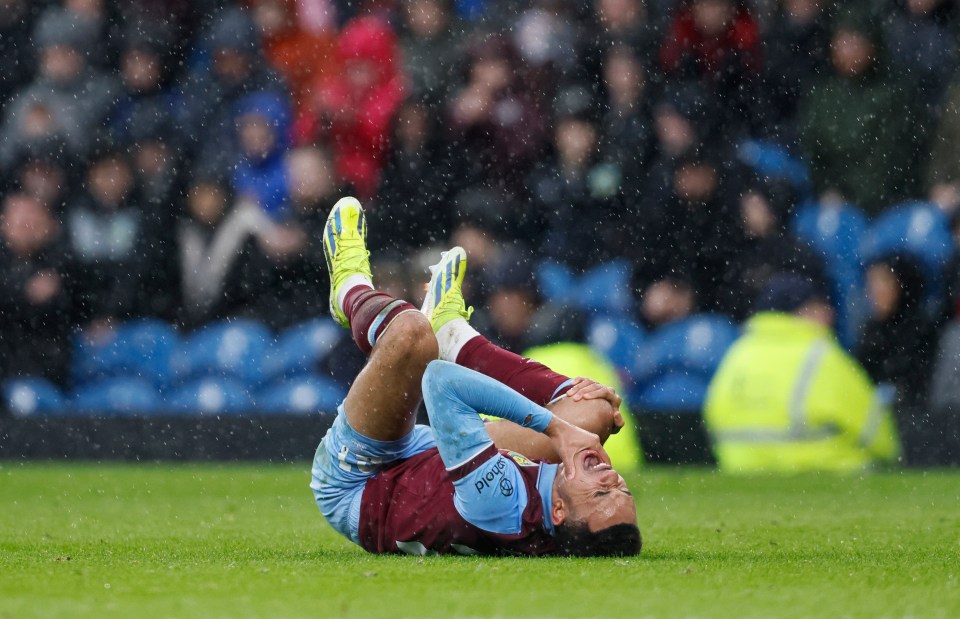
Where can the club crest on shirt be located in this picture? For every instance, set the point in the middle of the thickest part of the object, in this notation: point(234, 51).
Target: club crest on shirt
point(521, 459)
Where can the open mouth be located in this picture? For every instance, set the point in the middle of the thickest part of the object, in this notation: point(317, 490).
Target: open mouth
point(591, 462)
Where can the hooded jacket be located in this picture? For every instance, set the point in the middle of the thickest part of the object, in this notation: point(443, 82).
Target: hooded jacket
point(360, 120)
point(265, 180)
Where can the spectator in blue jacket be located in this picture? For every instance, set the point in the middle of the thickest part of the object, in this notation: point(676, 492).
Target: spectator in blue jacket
point(260, 175)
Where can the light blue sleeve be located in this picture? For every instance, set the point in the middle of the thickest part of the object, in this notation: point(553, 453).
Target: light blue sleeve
point(455, 396)
point(489, 489)
point(493, 496)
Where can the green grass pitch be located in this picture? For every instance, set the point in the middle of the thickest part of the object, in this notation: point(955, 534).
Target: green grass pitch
point(108, 540)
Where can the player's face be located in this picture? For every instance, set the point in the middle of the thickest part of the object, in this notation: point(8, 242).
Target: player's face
point(597, 494)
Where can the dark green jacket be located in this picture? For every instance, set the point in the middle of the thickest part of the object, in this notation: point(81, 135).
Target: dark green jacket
point(864, 138)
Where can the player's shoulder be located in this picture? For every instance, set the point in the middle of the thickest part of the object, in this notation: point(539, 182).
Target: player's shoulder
point(519, 459)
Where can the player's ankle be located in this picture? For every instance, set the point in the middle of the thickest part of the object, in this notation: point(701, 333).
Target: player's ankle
point(452, 336)
point(348, 285)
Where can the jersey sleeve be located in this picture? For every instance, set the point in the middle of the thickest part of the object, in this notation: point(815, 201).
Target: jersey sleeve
point(489, 489)
point(489, 492)
point(455, 396)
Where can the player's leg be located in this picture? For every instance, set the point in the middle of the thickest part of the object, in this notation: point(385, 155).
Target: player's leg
point(460, 343)
point(382, 401)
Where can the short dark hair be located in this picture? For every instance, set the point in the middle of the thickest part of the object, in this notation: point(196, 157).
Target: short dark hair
point(620, 540)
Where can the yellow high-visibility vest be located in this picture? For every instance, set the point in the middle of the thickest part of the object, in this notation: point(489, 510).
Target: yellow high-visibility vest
point(787, 397)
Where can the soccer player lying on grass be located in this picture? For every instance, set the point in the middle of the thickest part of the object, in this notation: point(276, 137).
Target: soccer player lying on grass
point(390, 485)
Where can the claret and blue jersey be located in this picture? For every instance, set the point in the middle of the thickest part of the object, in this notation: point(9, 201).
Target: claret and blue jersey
point(441, 490)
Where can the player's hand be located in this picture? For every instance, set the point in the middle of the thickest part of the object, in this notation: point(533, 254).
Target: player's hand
point(569, 440)
point(589, 389)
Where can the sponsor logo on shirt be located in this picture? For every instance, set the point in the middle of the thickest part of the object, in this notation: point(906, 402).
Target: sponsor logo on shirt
point(493, 475)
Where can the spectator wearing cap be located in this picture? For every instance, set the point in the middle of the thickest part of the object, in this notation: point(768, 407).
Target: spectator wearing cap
point(512, 300)
point(209, 93)
point(863, 127)
point(67, 99)
point(898, 344)
point(787, 398)
point(36, 305)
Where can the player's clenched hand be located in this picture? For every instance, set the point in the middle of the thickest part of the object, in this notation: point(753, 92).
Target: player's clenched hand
point(569, 440)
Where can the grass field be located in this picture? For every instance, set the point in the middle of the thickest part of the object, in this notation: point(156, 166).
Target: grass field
point(89, 540)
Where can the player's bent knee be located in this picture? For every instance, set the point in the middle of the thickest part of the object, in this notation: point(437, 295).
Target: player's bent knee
point(413, 330)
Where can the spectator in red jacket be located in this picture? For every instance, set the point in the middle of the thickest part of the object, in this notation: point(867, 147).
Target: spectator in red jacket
point(354, 109)
point(718, 43)
point(300, 52)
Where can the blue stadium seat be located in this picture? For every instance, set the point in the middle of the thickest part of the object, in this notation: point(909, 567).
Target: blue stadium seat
point(836, 235)
point(212, 395)
point(693, 346)
point(234, 349)
point(556, 281)
point(600, 290)
point(300, 348)
point(618, 339)
point(917, 228)
point(675, 391)
point(302, 394)
point(771, 160)
point(138, 348)
point(26, 397)
point(117, 396)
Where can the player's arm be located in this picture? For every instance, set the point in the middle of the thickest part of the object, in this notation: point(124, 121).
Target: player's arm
point(583, 402)
point(489, 490)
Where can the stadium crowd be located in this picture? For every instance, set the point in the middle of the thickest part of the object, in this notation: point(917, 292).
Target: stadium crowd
point(177, 158)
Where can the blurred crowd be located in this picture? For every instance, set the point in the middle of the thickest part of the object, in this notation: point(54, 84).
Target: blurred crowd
point(177, 158)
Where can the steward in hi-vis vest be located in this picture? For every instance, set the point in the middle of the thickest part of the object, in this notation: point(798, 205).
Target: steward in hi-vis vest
point(787, 397)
